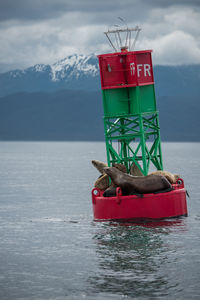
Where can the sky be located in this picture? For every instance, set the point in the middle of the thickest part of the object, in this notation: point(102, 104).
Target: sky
point(45, 31)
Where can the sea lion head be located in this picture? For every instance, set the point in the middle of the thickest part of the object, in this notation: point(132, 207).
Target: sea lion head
point(120, 167)
point(110, 171)
point(99, 165)
point(115, 174)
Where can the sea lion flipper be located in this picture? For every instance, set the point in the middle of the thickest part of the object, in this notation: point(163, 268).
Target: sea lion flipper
point(102, 182)
point(165, 190)
point(110, 192)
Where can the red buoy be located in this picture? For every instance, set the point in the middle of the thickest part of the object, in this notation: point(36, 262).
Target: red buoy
point(150, 206)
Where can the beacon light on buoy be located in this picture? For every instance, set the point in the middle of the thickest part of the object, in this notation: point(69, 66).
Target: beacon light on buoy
point(132, 131)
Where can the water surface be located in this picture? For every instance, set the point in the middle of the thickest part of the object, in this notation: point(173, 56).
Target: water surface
point(50, 248)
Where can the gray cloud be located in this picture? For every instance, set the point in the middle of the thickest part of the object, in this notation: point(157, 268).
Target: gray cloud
point(30, 10)
point(44, 31)
point(47, 9)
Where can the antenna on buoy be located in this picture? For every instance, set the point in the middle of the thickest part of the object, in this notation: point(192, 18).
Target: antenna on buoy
point(122, 39)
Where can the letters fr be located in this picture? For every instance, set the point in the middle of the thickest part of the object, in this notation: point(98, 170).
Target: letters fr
point(145, 68)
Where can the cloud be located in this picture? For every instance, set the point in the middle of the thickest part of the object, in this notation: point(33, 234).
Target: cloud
point(46, 9)
point(175, 48)
point(31, 10)
point(45, 31)
point(173, 39)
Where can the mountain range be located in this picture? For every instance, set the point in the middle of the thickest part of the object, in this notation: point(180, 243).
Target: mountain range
point(63, 101)
point(73, 72)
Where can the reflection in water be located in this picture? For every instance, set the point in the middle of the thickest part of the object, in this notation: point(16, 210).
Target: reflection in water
point(130, 257)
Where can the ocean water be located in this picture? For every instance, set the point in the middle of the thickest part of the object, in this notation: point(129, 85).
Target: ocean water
point(50, 247)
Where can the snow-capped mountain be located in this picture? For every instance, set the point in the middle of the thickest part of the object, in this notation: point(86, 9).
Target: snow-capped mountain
point(72, 72)
point(74, 66)
point(81, 72)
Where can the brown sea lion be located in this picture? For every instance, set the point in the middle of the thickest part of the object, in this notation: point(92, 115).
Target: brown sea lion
point(138, 184)
point(110, 191)
point(120, 167)
point(172, 178)
point(135, 171)
point(99, 165)
point(103, 181)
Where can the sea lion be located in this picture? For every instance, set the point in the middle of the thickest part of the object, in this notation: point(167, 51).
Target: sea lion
point(110, 191)
point(138, 184)
point(103, 181)
point(172, 178)
point(135, 171)
point(120, 167)
point(99, 165)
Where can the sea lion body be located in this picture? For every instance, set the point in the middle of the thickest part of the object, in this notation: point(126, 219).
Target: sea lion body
point(110, 191)
point(102, 182)
point(138, 184)
point(172, 178)
point(120, 167)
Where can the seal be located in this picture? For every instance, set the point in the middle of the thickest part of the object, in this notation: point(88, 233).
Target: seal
point(103, 181)
point(172, 178)
point(110, 191)
point(99, 165)
point(120, 167)
point(135, 171)
point(138, 184)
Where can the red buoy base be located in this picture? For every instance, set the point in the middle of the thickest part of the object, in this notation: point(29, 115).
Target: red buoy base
point(150, 206)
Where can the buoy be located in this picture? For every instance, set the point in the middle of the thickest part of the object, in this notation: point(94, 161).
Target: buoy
point(132, 131)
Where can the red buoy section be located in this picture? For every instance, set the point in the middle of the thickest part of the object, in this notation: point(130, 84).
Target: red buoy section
point(150, 206)
point(126, 69)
